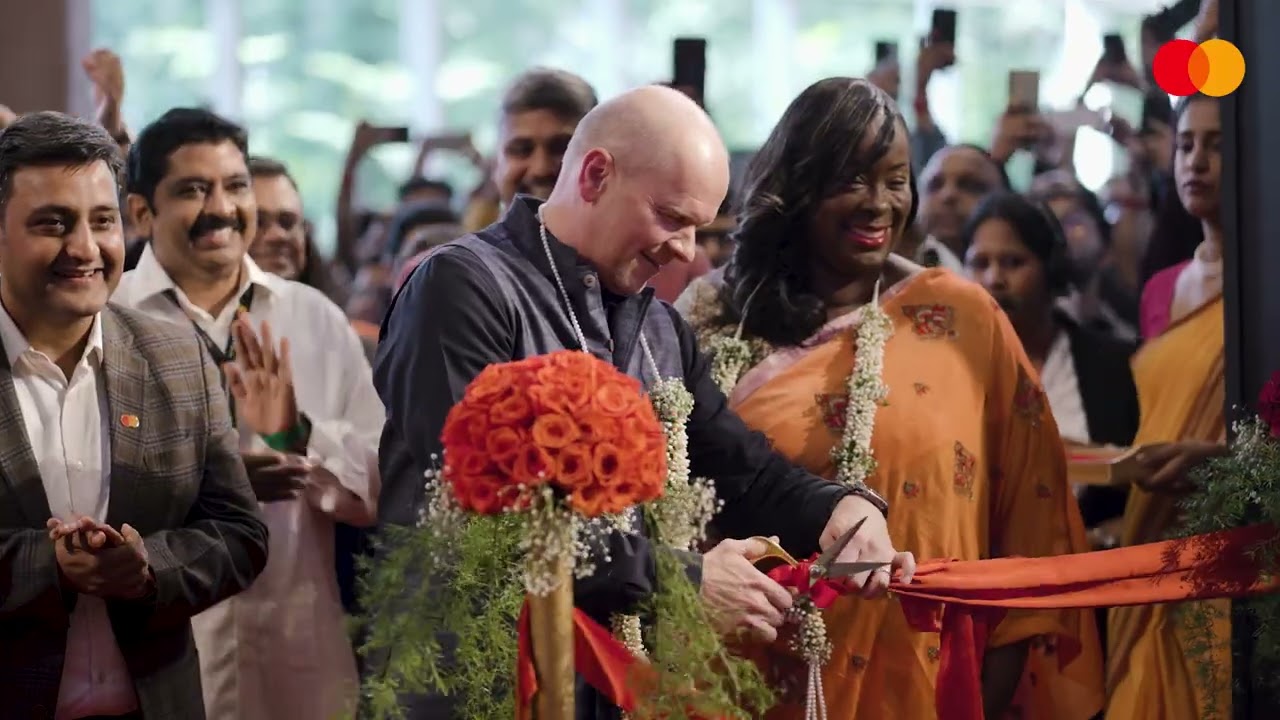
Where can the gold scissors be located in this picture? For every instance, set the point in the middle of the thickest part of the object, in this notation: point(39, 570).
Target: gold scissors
point(825, 567)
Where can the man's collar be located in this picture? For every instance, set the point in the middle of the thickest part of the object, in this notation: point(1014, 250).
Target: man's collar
point(16, 343)
point(525, 229)
point(153, 279)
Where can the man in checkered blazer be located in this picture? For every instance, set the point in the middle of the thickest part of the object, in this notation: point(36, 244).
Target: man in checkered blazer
point(125, 508)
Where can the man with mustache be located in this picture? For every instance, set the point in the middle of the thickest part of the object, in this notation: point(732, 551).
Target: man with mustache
point(124, 506)
point(308, 432)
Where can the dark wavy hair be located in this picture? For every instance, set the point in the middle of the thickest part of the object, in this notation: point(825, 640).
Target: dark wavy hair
point(1177, 233)
point(1036, 227)
point(814, 150)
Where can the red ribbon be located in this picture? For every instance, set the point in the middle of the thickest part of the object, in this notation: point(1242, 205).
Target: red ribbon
point(799, 578)
point(965, 600)
point(603, 662)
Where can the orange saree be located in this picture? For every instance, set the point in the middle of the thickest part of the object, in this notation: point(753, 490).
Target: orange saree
point(1179, 375)
point(970, 459)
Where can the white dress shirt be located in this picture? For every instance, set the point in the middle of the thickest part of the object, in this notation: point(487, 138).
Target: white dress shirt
point(281, 649)
point(946, 258)
point(1062, 389)
point(66, 426)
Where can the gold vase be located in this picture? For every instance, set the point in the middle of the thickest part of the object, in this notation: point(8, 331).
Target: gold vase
point(551, 628)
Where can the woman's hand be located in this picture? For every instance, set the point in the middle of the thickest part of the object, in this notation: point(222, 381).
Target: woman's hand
point(1167, 467)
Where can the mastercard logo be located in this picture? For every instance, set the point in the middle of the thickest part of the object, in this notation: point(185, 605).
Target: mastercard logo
point(1213, 67)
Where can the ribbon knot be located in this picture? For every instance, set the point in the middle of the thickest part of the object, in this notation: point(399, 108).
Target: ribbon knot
point(799, 577)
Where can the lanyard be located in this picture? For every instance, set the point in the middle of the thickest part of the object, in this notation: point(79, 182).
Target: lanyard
point(220, 355)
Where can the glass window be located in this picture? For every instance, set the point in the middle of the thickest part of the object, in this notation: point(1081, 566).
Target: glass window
point(167, 53)
point(311, 71)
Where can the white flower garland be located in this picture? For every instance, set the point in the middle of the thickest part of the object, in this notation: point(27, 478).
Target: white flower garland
point(687, 503)
point(551, 531)
point(730, 355)
point(854, 459)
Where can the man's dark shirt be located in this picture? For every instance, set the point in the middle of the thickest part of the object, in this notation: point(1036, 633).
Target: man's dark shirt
point(491, 298)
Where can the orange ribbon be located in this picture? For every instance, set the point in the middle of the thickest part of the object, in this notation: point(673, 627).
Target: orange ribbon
point(965, 600)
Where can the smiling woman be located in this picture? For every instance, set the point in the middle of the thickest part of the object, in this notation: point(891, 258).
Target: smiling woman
point(828, 209)
point(901, 382)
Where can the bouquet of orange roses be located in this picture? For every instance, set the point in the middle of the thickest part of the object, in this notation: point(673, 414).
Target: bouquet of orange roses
point(567, 444)
point(542, 457)
point(565, 427)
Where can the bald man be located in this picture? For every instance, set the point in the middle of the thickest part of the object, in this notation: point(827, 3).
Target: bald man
point(641, 174)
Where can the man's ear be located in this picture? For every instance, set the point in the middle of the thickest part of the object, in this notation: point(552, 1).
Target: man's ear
point(140, 215)
point(595, 174)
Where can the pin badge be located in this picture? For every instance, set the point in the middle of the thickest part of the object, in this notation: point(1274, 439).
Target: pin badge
point(129, 421)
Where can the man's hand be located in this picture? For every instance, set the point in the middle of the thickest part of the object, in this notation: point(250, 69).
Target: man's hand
point(89, 533)
point(95, 559)
point(870, 544)
point(740, 597)
point(1018, 131)
point(1167, 466)
point(275, 476)
point(106, 72)
point(261, 380)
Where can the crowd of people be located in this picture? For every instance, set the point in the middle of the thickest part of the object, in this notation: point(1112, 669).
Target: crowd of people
point(202, 419)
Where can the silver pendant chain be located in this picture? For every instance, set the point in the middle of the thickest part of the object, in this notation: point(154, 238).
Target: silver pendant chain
point(568, 306)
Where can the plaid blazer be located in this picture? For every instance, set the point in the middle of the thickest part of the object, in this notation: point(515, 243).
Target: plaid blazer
point(177, 477)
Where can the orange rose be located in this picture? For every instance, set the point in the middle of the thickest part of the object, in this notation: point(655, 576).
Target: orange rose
point(513, 410)
point(654, 465)
point(574, 361)
point(635, 435)
point(606, 462)
point(561, 390)
point(492, 382)
point(599, 428)
point(533, 466)
point(483, 495)
point(458, 424)
point(573, 466)
point(554, 431)
point(503, 443)
point(464, 462)
point(615, 399)
point(590, 500)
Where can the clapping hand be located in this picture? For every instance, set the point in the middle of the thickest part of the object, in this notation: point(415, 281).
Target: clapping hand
point(96, 559)
point(275, 476)
point(261, 379)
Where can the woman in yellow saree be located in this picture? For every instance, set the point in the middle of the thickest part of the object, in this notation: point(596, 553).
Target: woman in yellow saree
point(941, 414)
point(1153, 673)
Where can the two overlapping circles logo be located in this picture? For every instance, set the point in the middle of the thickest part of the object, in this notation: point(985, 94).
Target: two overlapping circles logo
point(1214, 67)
